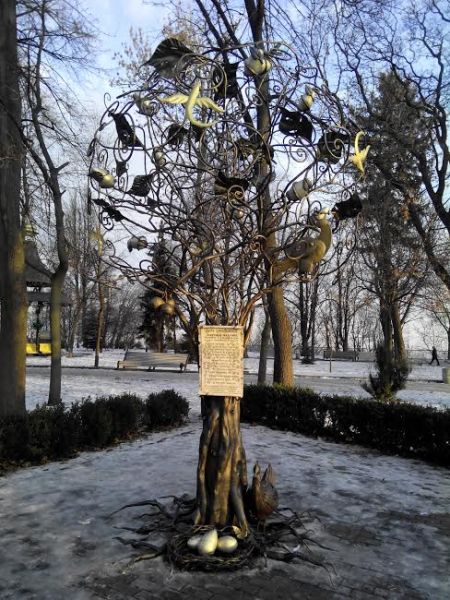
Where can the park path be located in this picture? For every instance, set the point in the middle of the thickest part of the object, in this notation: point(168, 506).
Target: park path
point(385, 519)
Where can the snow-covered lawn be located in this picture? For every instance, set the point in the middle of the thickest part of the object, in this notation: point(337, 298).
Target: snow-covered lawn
point(384, 518)
point(345, 379)
point(322, 368)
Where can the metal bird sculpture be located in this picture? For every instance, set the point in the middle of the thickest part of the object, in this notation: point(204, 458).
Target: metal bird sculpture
point(136, 243)
point(125, 131)
point(168, 57)
point(304, 254)
point(360, 156)
point(263, 494)
point(245, 148)
point(259, 62)
point(194, 99)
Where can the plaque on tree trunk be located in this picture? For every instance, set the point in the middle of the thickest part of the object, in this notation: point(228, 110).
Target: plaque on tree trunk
point(221, 361)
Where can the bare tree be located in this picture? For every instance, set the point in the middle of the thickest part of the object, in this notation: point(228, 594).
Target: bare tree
point(13, 308)
point(80, 282)
point(410, 41)
point(52, 34)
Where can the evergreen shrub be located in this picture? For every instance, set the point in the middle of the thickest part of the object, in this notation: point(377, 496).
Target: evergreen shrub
point(390, 376)
point(57, 432)
point(390, 427)
point(165, 408)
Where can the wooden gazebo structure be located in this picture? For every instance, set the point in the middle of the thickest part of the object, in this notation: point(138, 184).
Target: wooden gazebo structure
point(38, 281)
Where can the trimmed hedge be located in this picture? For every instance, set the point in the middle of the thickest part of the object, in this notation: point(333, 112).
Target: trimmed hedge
point(165, 408)
point(57, 432)
point(390, 427)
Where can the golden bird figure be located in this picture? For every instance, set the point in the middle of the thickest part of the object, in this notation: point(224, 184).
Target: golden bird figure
point(194, 99)
point(263, 494)
point(360, 156)
point(305, 253)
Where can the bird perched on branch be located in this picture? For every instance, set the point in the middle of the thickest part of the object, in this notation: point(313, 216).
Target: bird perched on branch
point(263, 494)
point(305, 253)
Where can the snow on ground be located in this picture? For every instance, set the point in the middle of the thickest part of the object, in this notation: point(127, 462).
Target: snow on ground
point(323, 368)
point(345, 378)
point(382, 518)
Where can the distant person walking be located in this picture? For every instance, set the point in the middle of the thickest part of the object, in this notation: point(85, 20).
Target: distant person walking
point(434, 356)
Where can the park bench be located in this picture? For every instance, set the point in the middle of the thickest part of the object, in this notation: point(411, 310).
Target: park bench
point(152, 360)
point(341, 354)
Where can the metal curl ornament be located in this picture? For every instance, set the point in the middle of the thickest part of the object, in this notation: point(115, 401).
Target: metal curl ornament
point(187, 148)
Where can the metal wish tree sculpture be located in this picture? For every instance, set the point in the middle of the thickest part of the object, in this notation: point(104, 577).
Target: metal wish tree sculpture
point(233, 158)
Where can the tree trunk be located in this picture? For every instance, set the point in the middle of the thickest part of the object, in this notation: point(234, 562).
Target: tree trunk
point(264, 348)
point(283, 370)
point(303, 307)
point(98, 337)
point(386, 325)
point(397, 330)
point(222, 465)
point(54, 395)
point(13, 319)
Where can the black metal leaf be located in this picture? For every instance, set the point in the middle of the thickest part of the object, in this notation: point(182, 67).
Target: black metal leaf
point(110, 210)
point(176, 134)
point(141, 185)
point(166, 58)
point(295, 123)
point(91, 147)
point(223, 184)
point(121, 167)
point(100, 202)
point(227, 88)
point(114, 213)
point(347, 209)
point(197, 131)
point(331, 144)
point(125, 131)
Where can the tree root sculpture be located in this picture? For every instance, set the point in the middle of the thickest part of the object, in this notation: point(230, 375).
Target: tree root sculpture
point(284, 538)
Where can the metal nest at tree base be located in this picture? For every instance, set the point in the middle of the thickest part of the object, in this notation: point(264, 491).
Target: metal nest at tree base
point(284, 538)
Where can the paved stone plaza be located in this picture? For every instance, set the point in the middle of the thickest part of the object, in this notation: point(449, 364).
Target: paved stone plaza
point(385, 520)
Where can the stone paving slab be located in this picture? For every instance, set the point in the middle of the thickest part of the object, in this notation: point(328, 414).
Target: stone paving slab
point(385, 520)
